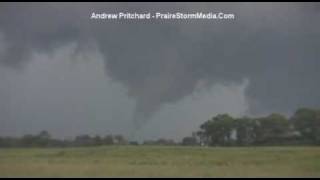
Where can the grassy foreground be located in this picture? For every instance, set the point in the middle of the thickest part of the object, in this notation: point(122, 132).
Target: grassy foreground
point(155, 161)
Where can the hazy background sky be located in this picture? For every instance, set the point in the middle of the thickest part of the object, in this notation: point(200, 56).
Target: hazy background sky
point(62, 72)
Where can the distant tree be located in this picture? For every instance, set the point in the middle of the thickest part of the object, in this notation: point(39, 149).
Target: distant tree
point(108, 140)
point(149, 142)
point(28, 140)
point(271, 129)
point(97, 140)
point(10, 142)
point(307, 123)
point(42, 139)
point(44, 135)
point(2, 142)
point(83, 140)
point(189, 141)
point(163, 141)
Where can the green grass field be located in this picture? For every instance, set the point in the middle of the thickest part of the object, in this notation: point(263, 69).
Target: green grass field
point(156, 161)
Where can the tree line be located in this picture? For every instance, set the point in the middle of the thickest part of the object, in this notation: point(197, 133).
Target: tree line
point(44, 139)
point(303, 128)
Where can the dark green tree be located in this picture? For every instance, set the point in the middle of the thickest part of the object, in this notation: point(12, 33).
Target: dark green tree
point(245, 134)
point(271, 129)
point(218, 130)
point(307, 123)
point(189, 141)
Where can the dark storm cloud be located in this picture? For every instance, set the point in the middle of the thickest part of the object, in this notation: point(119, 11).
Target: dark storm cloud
point(274, 45)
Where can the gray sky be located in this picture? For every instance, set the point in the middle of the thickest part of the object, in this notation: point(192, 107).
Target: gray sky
point(70, 75)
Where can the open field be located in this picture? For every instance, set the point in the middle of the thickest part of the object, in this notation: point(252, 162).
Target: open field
point(157, 161)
